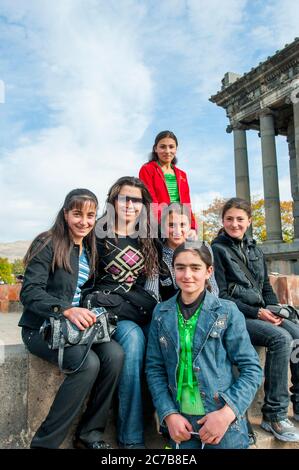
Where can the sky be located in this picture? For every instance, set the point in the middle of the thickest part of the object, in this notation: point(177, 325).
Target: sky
point(85, 86)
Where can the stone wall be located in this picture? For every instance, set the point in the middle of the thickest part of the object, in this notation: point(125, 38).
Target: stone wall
point(286, 288)
point(10, 298)
point(13, 397)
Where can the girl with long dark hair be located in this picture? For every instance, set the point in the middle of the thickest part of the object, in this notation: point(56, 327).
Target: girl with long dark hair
point(128, 256)
point(163, 179)
point(59, 263)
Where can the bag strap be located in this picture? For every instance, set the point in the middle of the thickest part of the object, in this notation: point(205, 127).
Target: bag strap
point(97, 326)
point(244, 268)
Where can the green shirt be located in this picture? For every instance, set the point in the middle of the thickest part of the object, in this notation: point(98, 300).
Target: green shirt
point(188, 388)
point(172, 187)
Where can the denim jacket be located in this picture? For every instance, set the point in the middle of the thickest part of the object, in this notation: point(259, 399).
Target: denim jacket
point(220, 341)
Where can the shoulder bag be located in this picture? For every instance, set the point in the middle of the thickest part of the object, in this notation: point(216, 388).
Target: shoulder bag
point(61, 333)
point(285, 311)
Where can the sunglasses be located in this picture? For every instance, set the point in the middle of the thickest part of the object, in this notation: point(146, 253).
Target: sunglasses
point(126, 199)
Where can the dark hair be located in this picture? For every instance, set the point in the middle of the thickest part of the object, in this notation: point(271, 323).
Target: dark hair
point(153, 157)
point(197, 248)
point(148, 247)
point(60, 236)
point(237, 203)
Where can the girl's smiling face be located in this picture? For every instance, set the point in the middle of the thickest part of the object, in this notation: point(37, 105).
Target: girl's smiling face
point(178, 226)
point(166, 150)
point(128, 204)
point(81, 221)
point(191, 273)
point(236, 222)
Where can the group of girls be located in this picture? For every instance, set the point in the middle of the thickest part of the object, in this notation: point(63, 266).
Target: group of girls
point(191, 343)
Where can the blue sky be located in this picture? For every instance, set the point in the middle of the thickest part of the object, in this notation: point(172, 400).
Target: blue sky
point(89, 83)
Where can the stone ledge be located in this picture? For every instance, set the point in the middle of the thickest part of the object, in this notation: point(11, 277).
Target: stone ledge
point(13, 396)
point(281, 249)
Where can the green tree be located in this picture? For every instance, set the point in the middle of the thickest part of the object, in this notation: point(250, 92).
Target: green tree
point(287, 221)
point(6, 271)
point(211, 219)
point(258, 219)
point(259, 223)
point(18, 267)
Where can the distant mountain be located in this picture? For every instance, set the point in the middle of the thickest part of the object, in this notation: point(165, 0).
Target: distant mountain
point(14, 250)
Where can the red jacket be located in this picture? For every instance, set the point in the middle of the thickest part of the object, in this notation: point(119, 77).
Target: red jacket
point(152, 176)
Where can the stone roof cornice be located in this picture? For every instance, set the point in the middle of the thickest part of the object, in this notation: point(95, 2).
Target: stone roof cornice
point(277, 72)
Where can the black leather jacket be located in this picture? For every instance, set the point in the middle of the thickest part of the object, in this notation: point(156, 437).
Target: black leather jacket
point(231, 279)
point(45, 292)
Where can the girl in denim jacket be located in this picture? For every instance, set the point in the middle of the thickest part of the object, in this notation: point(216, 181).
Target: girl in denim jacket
point(194, 341)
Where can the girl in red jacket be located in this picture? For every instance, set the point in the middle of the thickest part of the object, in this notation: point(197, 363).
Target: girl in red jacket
point(165, 182)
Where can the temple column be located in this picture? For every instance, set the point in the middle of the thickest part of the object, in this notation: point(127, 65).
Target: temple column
point(270, 177)
point(295, 176)
point(241, 163)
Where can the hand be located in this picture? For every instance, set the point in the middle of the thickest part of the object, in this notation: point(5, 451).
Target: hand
point(81, 317)
point(266, 315)
point(215, 425)
point(178, 427)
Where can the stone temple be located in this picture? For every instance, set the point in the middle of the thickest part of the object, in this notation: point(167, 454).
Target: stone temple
point(266, 100)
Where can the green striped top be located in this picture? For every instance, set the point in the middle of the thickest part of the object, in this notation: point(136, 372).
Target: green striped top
point(172, 187)
point(188, 387)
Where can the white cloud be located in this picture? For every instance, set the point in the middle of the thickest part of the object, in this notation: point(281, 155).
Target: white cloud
point(216, 33)
point(95, 84)
point(203, 200)
point(280, 23)
point(285, 189)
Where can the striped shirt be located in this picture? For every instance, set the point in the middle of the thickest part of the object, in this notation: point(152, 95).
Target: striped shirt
point(172, 187)
point(83, 276)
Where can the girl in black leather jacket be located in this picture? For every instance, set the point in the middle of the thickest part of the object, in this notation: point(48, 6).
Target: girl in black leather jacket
point(252, 293)
point(58, 264)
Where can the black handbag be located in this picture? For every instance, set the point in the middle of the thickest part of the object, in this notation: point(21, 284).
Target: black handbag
point(61, 333)
point(142, 299)
point(285, 311)
point(137, 304)
point(110, 300)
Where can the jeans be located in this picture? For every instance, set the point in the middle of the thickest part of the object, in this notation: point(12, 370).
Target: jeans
point(132, 338)
point(236, 437)
point(99, 375)
point(278, 341)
